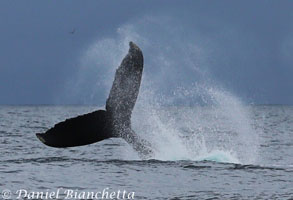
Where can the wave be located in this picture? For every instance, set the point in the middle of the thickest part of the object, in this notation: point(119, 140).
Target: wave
point(184, 164)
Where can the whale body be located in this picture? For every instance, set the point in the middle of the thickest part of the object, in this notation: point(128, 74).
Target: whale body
point(114, 121)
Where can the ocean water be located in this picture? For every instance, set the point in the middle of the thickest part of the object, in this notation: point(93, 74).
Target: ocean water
point(201, 152)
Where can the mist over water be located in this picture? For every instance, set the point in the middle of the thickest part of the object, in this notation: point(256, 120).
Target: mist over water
point(181, 110)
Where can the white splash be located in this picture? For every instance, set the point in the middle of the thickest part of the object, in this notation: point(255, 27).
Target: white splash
point(213, 124)
point(220, 130)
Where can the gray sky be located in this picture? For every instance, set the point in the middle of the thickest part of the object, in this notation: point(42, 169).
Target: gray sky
point(244, 46)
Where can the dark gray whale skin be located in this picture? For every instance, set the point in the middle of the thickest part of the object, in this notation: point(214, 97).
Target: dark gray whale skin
point(115, 121)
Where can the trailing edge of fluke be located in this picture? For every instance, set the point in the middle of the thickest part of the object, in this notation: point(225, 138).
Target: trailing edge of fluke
point(115, 121)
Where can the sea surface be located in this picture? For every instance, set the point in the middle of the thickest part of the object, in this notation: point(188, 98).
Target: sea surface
point(200, 153)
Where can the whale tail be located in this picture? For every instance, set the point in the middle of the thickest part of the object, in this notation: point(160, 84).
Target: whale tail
point(78, 131)
point(115, 121)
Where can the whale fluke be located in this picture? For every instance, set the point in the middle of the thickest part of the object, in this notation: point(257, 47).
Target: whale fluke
point(115, 121)
point(81, 130)
point(124, 91)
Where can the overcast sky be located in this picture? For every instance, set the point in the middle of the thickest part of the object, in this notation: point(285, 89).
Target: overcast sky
point(244, 46)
